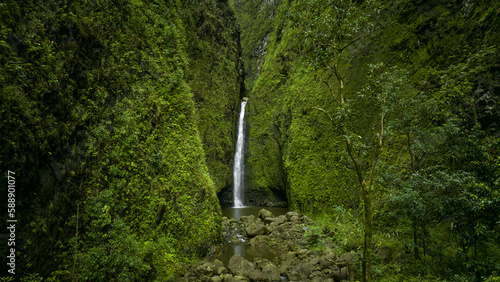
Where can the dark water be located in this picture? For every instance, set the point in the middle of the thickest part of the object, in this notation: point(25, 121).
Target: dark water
point(249, 252)
point(236, 213)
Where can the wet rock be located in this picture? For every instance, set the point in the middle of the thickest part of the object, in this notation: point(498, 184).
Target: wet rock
point(221, 270)
point(268, 220)
point(247, 218)
point(217, 264)
point(293, 214)
point(341, 274)
point(216, 279)
point(240, 266)
point(263, 213)
point(300, 272)
point(258, 240)
point(238, 278)
point(257, 275)
point(205, 269)
point(255, 229)
point(272, 272)
point(347, 258)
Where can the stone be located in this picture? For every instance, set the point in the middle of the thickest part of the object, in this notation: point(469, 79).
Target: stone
point(268, 220)
point(205, 269)
point(257, 275)
point(272, 272)
point(290, 214)
point(247, 218)
point(217, 263)
point(216, 279)
point(263, 213)
point(300, 271)
point(341, 274)
point(259, 240)
point(221, 270)
point(255, 229)
point(347, 258)
point(240, 266)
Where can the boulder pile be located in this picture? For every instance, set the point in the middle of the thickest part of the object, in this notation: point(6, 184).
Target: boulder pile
point(285, 234)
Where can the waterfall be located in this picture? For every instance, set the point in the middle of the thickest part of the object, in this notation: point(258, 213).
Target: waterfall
point(238, 168)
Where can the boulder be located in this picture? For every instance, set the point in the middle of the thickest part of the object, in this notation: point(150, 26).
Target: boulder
point(341, 274)
point(217, 263)
point(263, 213)
point(240, 266)
point(268, 220)
point(216, 279)
point(257, 275)
point(247, 218)
point(254, 229)
point(205, 269)
point(300, 272)
point(291, 214)
point(259, 240)
point(272, 272)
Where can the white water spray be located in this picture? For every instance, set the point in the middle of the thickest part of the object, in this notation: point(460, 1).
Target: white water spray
point(238, 169)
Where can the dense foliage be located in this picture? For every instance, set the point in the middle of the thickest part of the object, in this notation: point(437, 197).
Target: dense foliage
point(102, 106)
point(427, 72)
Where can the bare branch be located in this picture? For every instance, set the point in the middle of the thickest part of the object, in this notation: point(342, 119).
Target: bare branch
point(331, 90)
point(335, 125)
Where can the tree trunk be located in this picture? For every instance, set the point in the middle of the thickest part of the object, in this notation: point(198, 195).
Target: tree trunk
point(367, 251)
point(415, 239)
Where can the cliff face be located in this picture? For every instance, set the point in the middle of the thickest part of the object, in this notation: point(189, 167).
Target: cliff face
point(443, 49)
point(216, 78)
point(118, 120)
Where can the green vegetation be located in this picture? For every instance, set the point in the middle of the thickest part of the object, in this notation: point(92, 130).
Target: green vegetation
point(388, 110)
point(100, 124)
point(379, 119)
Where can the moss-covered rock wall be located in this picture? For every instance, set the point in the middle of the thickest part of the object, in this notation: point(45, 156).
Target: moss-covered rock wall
point(293, 147)
point(117, 118)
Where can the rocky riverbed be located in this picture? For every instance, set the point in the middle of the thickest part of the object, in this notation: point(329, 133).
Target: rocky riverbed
point(289, 237)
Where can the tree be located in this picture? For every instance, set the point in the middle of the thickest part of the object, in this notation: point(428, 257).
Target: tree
point(330, 28)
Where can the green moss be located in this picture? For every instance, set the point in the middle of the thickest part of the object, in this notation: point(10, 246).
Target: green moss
point(116, 123)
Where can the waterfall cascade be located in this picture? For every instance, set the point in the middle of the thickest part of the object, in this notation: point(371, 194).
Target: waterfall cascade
point(238, 168)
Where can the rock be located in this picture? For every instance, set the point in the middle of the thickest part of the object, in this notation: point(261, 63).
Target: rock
point(263, 213)
point(240, 266)
point(216, 279)
point(239, 278)
point(205, 269)
point(257, 275)
point(247, 218)
point(227, 277)
point(306, 219)
point(291, 214)
point(221, 270)
point(259, 240)
point(217, 263)
point(255, 229)
point(347, 258)
point(341, 274)
point(300, 272)
point(272, 272)
point(268, 220)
